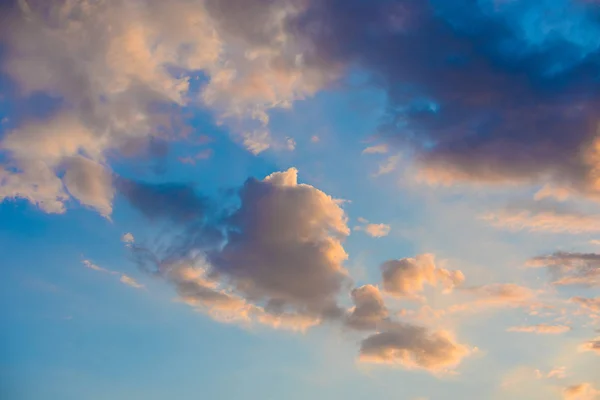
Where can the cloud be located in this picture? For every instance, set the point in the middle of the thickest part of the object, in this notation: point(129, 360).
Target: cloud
point(407, 276)
point(119, 74)
point(280, 264)
point(557, 373)
point(553, 192)
point(90, 183)
point(202, 155)
point(502, 101)
point(38, 150)
point(591, 304)
point(581, 391)
point(378, 149)
point(125, 279)
point(91, 265)
point(377, 230)
point(128, 238)
point(389, 165)
point(197, 290)
point(592, 345)
point(373, 230)
point(130, 282)
point(543, 221)
point(540, 329)
point(369, 310)
point(413, 347)
point(477, 111)
point(495, 295)
point(177, 202)
point(570, 269)
point(278, 250)
point(284, 245)
point(205, 294)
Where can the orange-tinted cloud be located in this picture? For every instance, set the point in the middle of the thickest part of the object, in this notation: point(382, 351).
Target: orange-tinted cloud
point(540, 329)
point(413, 347)
point(580, 391)
point(544, 221)
point(591, 304)
point(408, 276)
point(591, 345)
point(373, 230)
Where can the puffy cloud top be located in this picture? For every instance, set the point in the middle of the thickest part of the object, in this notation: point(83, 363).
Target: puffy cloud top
point(284, 245)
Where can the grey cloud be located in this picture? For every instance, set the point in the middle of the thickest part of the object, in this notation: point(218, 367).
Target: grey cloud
point(284, 245)
point(280, 248)
point(174, 201)
point(413, 347)
point(567, 269)
point(369, 310)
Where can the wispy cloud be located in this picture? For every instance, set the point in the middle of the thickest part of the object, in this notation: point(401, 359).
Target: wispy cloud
point(125, 279)
point(544, 329)
point(378, 149)
point(389, 165)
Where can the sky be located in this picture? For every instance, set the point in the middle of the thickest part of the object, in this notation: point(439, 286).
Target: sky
point(299, 199)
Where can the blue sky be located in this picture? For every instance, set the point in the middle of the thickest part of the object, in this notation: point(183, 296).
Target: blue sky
point(236, 199)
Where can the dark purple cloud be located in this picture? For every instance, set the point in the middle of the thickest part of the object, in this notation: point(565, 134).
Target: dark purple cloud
point(483, 91)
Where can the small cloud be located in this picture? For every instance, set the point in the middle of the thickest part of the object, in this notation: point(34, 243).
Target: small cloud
point(592, 345)
point(379, 149)
point(413, 347)
point(558, 373)
point(128, 238)
point(369, 310)
point(373, 230)
point(127, 280)
point(315, 139)
point(389, 165)
point(256, 141)
point(130, 282)
point(187, 160)
point(91, 265)
point(202, 139)
point(290, 144)
point(377, 230)
point(540, 329)
point(495, 295)
point(202, 155)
